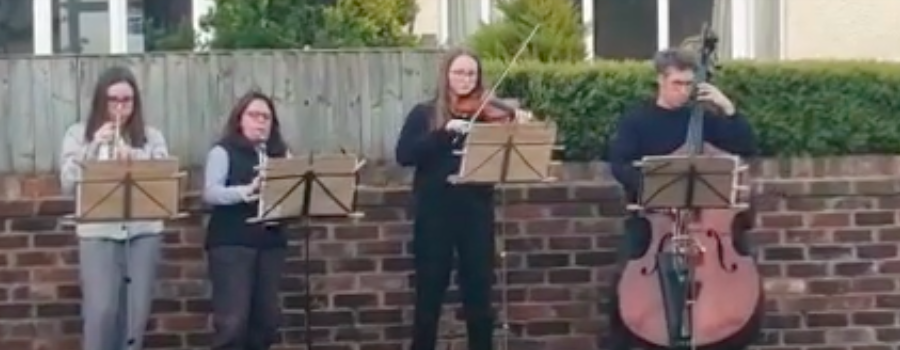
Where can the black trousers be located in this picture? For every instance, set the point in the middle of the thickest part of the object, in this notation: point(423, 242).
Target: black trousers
point(636, 239)
point(246, 311)
point(464, 224)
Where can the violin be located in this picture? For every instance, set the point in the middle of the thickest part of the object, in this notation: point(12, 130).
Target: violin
point(477, 108)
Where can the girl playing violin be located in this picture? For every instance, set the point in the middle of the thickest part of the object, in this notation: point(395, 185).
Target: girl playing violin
point(451, 217)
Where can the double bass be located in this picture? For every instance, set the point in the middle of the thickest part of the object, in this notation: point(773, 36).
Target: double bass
point(694, 287)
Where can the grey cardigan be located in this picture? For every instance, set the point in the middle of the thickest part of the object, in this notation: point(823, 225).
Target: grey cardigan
point(76, 149)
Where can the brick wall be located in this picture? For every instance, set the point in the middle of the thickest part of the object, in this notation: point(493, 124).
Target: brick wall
point(828, 235)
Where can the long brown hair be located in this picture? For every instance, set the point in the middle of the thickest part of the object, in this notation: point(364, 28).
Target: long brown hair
point(133, 131)
point(443, 96)
point(232, 133)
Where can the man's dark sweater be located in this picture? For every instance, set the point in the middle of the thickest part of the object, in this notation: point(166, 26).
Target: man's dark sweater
point(650, 130)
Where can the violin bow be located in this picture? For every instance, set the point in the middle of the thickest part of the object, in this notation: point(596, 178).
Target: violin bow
point(486, 97)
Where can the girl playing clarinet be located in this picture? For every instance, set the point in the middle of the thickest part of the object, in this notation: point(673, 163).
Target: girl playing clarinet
point(245, 259)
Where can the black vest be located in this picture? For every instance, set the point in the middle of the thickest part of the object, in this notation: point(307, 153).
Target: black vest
point(227, 224)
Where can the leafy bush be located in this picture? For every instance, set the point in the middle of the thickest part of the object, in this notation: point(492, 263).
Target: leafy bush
point(559, 39)
point(797, 108)
point(179, 37)
point(370, 23)
point(291, 24)
point(271, 24)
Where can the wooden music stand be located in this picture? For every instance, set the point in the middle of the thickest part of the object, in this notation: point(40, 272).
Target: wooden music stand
point(127, 190)
point(690, 182)
point(507, 153)
point(303, 188)
point(310, 186)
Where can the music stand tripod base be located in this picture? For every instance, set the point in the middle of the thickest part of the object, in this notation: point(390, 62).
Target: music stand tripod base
point(302, 188)
point(502, 154)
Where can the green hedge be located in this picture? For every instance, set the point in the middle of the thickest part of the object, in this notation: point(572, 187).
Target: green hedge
point(797, 108)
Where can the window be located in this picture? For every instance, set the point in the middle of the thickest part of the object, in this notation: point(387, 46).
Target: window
point(629, 29)
point(16, 27)
point(168, 25)
point(80, 26)
point(686, 18)
point(625, 29)
point(464, 18)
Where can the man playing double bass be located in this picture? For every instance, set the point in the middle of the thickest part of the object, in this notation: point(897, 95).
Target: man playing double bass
point(659, 127)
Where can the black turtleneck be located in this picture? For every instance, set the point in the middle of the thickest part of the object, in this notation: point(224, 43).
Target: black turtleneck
point(650, 130)
point(430, 152)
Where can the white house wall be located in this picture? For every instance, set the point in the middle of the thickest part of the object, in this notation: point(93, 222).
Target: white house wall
point(847, 29)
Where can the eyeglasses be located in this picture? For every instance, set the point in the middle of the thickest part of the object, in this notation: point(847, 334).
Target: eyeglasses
point(119, 99)
point(464, 73)
point(259, 116)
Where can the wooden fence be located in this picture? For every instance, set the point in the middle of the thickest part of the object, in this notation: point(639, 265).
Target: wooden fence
point(326, 100)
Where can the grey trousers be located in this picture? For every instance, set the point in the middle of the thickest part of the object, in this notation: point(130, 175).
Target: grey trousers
point(246, 308)
point(114, 311)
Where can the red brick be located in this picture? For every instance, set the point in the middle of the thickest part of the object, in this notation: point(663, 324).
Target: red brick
point(552, 194)
point(353, 265)
point(546, 227)
point(876, 251)
point(16, 311)
point(874, 318)
point(530, 312)
point(380, 248)
point(571, 243)
point(54, 240)
point(875, 284)
point(36, 258)
point(10, 242)
point(803, 337)
point(853, 236)
point(17, 208)
point(826, 320)
point(356, 232)
point(523, 212)
point(547, 328)
point(829, 220)
point(805, 236)
point(572, 210)
point(781, 220)
point(183, 323)
point(874, 218)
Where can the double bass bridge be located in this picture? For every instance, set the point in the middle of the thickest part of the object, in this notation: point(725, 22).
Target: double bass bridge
point(684, 255)
point(682, 244)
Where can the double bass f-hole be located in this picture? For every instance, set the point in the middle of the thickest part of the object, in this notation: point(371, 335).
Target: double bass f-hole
point(682, 243)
